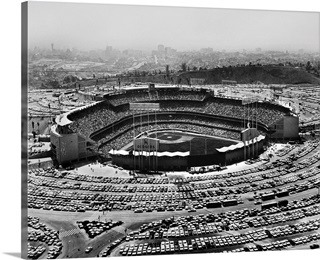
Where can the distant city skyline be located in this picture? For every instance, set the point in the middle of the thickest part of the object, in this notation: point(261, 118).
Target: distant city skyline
point(95, 26)
point(199, 49)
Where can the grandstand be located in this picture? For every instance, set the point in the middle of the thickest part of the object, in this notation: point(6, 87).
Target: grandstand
point(110, 124)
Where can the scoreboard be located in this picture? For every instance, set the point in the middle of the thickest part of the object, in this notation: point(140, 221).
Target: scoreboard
point(144, 106)
point(146, 144)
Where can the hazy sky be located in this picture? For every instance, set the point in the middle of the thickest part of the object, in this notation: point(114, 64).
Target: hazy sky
point(92, 26)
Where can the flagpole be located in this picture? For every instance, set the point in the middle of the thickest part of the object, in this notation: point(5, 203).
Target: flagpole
point(257, 124)
point(149, 141)
point(248, 120)
point(134, 150)
point(156, 146)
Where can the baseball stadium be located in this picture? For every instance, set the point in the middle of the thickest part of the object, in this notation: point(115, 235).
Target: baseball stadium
point(180, 127)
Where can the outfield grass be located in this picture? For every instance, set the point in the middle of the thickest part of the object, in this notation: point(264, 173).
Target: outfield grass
point(199, 145)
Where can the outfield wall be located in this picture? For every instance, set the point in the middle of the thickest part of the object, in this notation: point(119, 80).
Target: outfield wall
point(155, 163)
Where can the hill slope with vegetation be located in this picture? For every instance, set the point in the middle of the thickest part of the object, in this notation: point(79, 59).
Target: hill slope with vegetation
point(243, 75)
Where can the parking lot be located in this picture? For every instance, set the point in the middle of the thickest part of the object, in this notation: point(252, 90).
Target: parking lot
point(266, 205)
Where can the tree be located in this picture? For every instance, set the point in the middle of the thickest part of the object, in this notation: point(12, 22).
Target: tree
point(309, 66)
point(167, 70)
point(66, 79)
point(184, 66)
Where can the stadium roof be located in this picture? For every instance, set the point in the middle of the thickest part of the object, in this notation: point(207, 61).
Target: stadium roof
point(63, 120)
point(144, 153)
point(120, 152)
point(240, 145)
point(230, 148)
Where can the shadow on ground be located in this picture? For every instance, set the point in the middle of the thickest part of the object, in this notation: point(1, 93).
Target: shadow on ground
point(15, 254)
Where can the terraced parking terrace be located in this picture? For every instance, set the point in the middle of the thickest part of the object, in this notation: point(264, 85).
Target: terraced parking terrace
point(271, 203)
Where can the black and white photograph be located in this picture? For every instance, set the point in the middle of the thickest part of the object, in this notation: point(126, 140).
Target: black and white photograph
point(168, 130)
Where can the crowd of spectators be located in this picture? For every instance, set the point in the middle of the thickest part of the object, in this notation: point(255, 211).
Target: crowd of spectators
point(94, 118)
point(262, 113)
point(205, 129)
point(187, 123)
point(158, 95)
point(129, 97)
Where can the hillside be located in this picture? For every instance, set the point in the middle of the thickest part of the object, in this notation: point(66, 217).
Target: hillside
point(243, 75)
point(250, 74)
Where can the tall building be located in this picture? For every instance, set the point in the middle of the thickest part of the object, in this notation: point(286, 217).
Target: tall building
point(161, 48)
point(168, 51)
point(108, 51)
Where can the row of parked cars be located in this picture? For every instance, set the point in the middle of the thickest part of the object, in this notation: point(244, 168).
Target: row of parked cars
point(285, 150)
point(181, 226)
point(159, 189)
point(185, 188)
point(95, 228)
point(204, 243)
point(41, 237)
point(272, 179)
point(308, 147)
point(87, 186)
point(192, 226)
point(58, 174)
point(305, 239)
point(300, 227)
point(48, 198)
point(34, 252)
point(124, 189)
point(54, 198)
point(194, 244)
